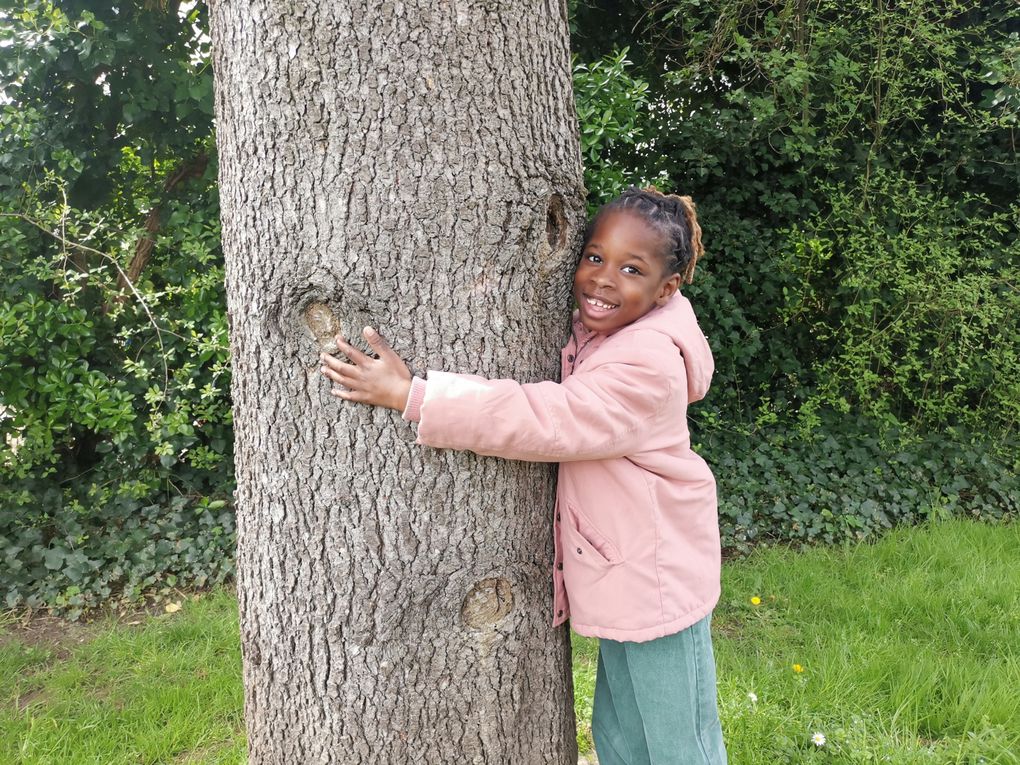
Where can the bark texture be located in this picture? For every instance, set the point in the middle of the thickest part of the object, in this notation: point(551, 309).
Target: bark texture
point(413, 166)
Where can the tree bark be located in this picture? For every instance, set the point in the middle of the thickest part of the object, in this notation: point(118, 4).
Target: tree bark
point(413, 166)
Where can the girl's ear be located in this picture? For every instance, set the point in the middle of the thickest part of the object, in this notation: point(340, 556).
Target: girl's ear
point(668, 289)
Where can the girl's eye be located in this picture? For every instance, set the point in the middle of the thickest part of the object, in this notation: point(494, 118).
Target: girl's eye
point(631, 270)
point(592, 258)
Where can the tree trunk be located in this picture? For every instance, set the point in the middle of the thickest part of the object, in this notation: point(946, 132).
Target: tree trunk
point(413, 166)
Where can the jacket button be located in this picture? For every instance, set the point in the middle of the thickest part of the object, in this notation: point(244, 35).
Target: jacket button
point(560, 612)
point(559, 566)
point(557, 516)
point(579, 551)
point(570, 357)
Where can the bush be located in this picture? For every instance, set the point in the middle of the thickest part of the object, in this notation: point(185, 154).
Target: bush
point(909, 300)
point(854, 482)
point(854, 166)
point(610, 102)
point(116, 446)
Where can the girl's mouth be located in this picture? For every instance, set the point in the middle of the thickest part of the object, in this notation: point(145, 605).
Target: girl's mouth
point(599, 306)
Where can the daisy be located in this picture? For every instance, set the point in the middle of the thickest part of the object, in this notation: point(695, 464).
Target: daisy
point(818, 739)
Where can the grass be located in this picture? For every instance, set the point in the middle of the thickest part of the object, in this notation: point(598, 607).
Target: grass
point(909, 651)
point(166, 690)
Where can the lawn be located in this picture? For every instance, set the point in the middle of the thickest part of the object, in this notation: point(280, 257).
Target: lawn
point(902, 651)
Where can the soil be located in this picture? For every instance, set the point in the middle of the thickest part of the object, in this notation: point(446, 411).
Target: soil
point(46, 632)
point(40, 629)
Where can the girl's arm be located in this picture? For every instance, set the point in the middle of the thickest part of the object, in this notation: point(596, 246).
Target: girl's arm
point(610, 409)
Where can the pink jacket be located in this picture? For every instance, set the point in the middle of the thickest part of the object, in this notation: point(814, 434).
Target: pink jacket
point(636, 528)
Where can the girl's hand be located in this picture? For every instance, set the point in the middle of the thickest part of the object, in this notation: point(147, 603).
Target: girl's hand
point(385, 381)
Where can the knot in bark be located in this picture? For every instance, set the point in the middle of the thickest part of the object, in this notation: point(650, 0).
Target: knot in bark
point(487, 602)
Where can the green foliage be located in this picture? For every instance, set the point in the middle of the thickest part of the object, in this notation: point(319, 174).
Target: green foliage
point(824, 141)
point(609, 105)
point(83, 82)
point(911, 303)
point(853, 480)
point(115, 422)
point(116, 427)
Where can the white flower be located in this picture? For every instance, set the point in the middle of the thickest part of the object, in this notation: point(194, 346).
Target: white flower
point(753, 697)
point(818, 739)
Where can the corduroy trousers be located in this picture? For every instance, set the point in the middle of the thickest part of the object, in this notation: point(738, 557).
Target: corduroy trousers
point(655, 702)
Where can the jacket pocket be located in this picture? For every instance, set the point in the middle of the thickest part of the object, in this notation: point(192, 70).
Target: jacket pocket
point(588, 535)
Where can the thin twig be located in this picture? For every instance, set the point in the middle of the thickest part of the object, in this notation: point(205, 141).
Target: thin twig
point(85, 248)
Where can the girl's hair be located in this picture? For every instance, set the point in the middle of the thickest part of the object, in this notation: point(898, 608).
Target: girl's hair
point(672, 216)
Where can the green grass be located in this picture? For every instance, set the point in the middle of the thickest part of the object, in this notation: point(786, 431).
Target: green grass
point(909, 649)
point(165, 691)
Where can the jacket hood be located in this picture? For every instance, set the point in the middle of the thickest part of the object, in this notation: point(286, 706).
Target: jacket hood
point(676, 320)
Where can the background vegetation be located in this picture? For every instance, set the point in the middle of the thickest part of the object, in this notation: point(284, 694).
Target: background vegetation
point(856, 171)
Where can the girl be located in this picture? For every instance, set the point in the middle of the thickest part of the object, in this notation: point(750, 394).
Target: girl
point(637, 559)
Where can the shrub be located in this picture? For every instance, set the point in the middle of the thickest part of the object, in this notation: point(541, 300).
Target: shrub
point(852, 481)
point(115, 438)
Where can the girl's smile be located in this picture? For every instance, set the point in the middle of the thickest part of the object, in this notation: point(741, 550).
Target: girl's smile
point(622, 273)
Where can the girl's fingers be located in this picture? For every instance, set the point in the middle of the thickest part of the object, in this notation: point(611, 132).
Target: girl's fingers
point(350, 351)
point(332, 366)
point(338, 371)
point(329, 362)
point(378, 343)
point(348, 384)
point(352, 395)
point(367, 379)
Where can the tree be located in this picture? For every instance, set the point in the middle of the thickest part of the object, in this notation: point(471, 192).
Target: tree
point(413, 166)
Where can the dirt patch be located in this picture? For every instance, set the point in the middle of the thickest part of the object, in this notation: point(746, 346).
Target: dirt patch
point(732, 627)
point(25, 700)
point(39, 629)
point(50, 633)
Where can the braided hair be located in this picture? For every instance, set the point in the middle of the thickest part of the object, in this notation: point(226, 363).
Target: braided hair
point(672, 216)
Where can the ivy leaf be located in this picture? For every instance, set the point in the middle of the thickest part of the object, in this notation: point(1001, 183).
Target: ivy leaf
point(54, 558)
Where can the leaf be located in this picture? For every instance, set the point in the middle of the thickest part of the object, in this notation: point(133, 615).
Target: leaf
point(54, 558)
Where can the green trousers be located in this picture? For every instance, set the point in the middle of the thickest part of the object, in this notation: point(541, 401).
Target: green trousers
point(655, 702)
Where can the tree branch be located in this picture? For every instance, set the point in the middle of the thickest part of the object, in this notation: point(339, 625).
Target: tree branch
point(143, 248)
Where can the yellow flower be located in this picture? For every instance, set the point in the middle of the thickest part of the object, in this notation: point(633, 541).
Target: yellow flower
point(755, 601)
point(797, 668)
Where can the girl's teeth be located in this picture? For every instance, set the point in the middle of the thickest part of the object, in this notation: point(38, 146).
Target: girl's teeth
point(599, 303)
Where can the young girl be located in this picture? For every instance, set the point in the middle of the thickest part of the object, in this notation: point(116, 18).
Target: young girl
point(636, 533)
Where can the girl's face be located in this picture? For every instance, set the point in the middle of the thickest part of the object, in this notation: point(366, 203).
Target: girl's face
point(622, 274)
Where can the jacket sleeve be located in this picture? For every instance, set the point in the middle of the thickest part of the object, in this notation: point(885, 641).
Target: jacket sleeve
point(607, 409)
